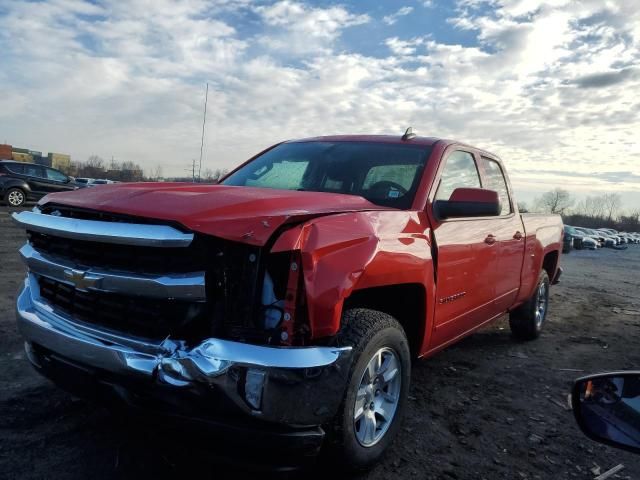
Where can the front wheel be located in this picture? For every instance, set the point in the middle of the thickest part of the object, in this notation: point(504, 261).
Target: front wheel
point(527, 320)
point(374, 402)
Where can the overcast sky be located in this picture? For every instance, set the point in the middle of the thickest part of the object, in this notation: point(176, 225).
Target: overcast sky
point(552, 87)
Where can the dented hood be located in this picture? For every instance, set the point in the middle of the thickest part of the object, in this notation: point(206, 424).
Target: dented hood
point(245, 214)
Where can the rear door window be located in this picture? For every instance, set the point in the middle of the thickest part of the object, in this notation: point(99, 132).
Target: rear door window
point(495, 181)
point(33, 171)
point(460, 171)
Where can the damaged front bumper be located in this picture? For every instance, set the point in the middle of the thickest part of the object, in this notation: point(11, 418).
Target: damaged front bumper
point(293, 387)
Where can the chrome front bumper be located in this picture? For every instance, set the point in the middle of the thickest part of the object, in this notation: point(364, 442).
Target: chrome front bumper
point(290, 386)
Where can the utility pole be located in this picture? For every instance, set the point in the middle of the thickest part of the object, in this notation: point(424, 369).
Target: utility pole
point(204, 121)
point(193, 171)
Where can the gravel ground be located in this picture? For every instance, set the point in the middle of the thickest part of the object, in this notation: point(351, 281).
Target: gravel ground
point(486, 408)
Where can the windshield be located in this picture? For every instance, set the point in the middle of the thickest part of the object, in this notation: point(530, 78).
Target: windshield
point(384, 174)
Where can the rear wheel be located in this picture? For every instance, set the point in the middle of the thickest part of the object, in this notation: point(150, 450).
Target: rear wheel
point(374, 402)
point(527, 320)
point(15, 197)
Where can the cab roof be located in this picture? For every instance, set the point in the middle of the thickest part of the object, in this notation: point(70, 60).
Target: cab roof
point(426, 141)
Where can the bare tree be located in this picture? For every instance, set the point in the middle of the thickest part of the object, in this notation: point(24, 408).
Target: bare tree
point(556, 201)
point(595, 206)
point(156, 174)
point(207, 175)
point(92, 168)
point(611, 204)
point(212, 176)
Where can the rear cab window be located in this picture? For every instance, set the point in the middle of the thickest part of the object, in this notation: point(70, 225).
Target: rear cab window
point(460, 171)
point(495, 180)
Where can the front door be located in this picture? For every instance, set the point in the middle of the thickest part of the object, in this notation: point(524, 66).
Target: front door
point(466, 258)
point(56, 181)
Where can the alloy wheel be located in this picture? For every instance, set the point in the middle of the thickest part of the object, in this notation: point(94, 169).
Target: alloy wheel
point(541, 303)
point(15, 198)
point(377, 397)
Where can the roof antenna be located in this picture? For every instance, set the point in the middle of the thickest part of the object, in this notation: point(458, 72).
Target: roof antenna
point(408, 134)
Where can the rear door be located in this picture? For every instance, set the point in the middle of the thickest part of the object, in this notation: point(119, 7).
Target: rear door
point(508, 231)
point(466, 256)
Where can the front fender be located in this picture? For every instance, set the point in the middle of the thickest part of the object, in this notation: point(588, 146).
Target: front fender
point(352, 251)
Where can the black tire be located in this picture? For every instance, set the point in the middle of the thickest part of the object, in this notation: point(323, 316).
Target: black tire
point(368, 332)
point(527, 320)
point(15, 197)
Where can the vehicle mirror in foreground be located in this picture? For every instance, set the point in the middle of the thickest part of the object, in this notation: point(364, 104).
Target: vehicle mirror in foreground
point(607, 408)
point(469, 202)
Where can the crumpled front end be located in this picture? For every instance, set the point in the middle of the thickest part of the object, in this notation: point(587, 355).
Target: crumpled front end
point(82, 314)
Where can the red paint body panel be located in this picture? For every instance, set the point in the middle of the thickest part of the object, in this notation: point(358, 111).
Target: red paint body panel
point(351, 251)
point(243, 214)
point(472, 270)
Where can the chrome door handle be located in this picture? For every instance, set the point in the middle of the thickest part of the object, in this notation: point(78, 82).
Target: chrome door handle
point(517, 236)
point(490, 240)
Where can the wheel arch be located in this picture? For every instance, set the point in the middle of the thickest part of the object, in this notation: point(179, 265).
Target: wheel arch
point(550, 263)
point(15, 186)
point(406, 302)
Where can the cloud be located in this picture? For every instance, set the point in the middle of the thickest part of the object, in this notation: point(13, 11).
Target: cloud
point(127, 79)
point(606, 79)
point(394, 17)
point(302, 29)
point(404, 47)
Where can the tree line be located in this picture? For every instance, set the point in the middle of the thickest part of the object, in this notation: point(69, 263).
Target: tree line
point(128, 171)
point(596, 211)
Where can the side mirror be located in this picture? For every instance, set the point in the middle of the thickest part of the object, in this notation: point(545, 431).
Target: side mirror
point(607, 408)
point(469, 202)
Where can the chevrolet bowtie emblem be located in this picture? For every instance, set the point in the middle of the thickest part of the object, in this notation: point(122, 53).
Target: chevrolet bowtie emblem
point(81, 279)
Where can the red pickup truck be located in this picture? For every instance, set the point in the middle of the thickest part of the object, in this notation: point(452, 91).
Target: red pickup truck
point(287, 302)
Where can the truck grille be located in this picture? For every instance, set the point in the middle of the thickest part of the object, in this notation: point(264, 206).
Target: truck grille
point(143, 284)
point(121, 257)
point(146, 317)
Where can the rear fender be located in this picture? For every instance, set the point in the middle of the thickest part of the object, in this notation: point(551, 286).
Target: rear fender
point(16, 183)
point(539, 245)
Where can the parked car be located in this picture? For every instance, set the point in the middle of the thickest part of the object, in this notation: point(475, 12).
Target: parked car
point(589, 243)
point(589, 234)
point(21, 182)
point(84, 181)
point(629, 238)
point(290, 298)
point(607, 408)
point(100, 181)
point(572, 239)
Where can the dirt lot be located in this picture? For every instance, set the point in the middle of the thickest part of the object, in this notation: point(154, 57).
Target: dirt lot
point(488, 407)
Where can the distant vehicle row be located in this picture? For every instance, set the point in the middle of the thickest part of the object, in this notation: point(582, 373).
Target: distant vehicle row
point(591, 239)
point(22, 182)
point(92, 182)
